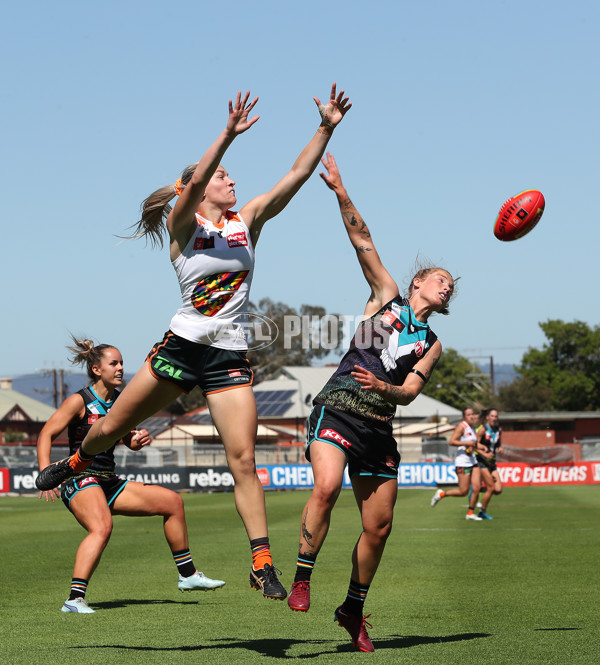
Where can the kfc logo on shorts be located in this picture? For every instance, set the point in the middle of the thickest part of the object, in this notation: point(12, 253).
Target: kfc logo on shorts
point(419, 347)
point(92, 418)
point(332, 434)
point(234, 372)
point(237, 239)
point(389, 461)
point(88, 481)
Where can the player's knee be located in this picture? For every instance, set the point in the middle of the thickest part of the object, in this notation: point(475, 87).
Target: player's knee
point(242, 466)
point(174, 504)
point(378, 532)
point(325, 494)
point(102, 531)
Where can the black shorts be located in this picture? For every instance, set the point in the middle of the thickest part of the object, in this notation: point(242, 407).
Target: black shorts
point(485, 463)
point(188, 364)
point(369, 446)
point(112, 486)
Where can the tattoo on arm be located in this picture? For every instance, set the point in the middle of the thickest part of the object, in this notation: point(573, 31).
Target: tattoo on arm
point(351, 216)
point(394, 394)
point(362, 248)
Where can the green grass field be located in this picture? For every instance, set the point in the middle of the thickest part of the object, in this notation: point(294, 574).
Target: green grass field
point(523, 588)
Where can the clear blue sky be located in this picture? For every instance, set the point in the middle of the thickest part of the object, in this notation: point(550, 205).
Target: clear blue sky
point(456, 106)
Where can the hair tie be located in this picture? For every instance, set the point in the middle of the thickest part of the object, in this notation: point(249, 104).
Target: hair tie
point(178, 187)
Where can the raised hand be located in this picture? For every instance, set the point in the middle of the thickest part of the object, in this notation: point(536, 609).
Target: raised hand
point(336, 109)
point(238, 122)
point(332, 178)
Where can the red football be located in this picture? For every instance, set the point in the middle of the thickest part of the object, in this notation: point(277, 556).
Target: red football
point(519, 215)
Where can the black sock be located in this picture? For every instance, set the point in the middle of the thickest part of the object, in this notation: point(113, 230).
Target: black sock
point(184, 563)
point(78, 588)
point(355, 600)
point(304, 567)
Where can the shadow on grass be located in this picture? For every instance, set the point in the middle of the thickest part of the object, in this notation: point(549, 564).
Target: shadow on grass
point(127, 602)
point(278, 648)
point(536, 629)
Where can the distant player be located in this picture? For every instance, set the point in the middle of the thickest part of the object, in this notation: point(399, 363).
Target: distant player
point(464, 438)
point(488, 445)
point(96, 494)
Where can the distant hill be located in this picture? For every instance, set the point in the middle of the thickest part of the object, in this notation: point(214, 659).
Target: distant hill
point(42, 387)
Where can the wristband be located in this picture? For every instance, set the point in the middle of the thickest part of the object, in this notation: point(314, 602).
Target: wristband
point(419, 374)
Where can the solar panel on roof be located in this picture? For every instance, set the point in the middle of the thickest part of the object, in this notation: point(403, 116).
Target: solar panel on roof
point(273, 402)
point(201, 418)
point(155, 425)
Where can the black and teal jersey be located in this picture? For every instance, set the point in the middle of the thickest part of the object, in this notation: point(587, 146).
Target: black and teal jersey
point(388, 344)
point(95, 408)
point(491, 438)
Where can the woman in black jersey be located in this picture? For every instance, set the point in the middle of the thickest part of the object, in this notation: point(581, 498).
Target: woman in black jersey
point(97, 494)
point(391, 356)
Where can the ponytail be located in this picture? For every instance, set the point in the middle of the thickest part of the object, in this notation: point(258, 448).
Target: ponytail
point(86, 353)
point(156, 208)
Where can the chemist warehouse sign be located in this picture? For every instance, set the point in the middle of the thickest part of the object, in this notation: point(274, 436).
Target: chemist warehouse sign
point(434, 474)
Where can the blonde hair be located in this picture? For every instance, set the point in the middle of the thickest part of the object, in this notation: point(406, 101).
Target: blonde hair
point(85, 352)
point(156, 208)
point(422, 273)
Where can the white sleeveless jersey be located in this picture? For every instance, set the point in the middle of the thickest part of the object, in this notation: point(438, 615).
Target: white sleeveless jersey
point(215, 273)
point(470, 438)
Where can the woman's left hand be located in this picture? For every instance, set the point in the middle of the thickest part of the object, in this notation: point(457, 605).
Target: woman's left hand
point(336, 109)
point(139, 439)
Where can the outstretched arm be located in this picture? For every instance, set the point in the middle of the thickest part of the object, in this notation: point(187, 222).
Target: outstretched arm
point(383, 287)
point(262, 208)
point(413, 384)
point(182, 221)
point(72, 408)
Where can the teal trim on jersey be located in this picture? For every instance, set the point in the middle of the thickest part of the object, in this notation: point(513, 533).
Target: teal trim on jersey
point(106, 405)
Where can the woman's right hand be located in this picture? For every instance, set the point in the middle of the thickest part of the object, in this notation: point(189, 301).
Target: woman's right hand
point(50, 494)
point(238, 121)
point(332, 178)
